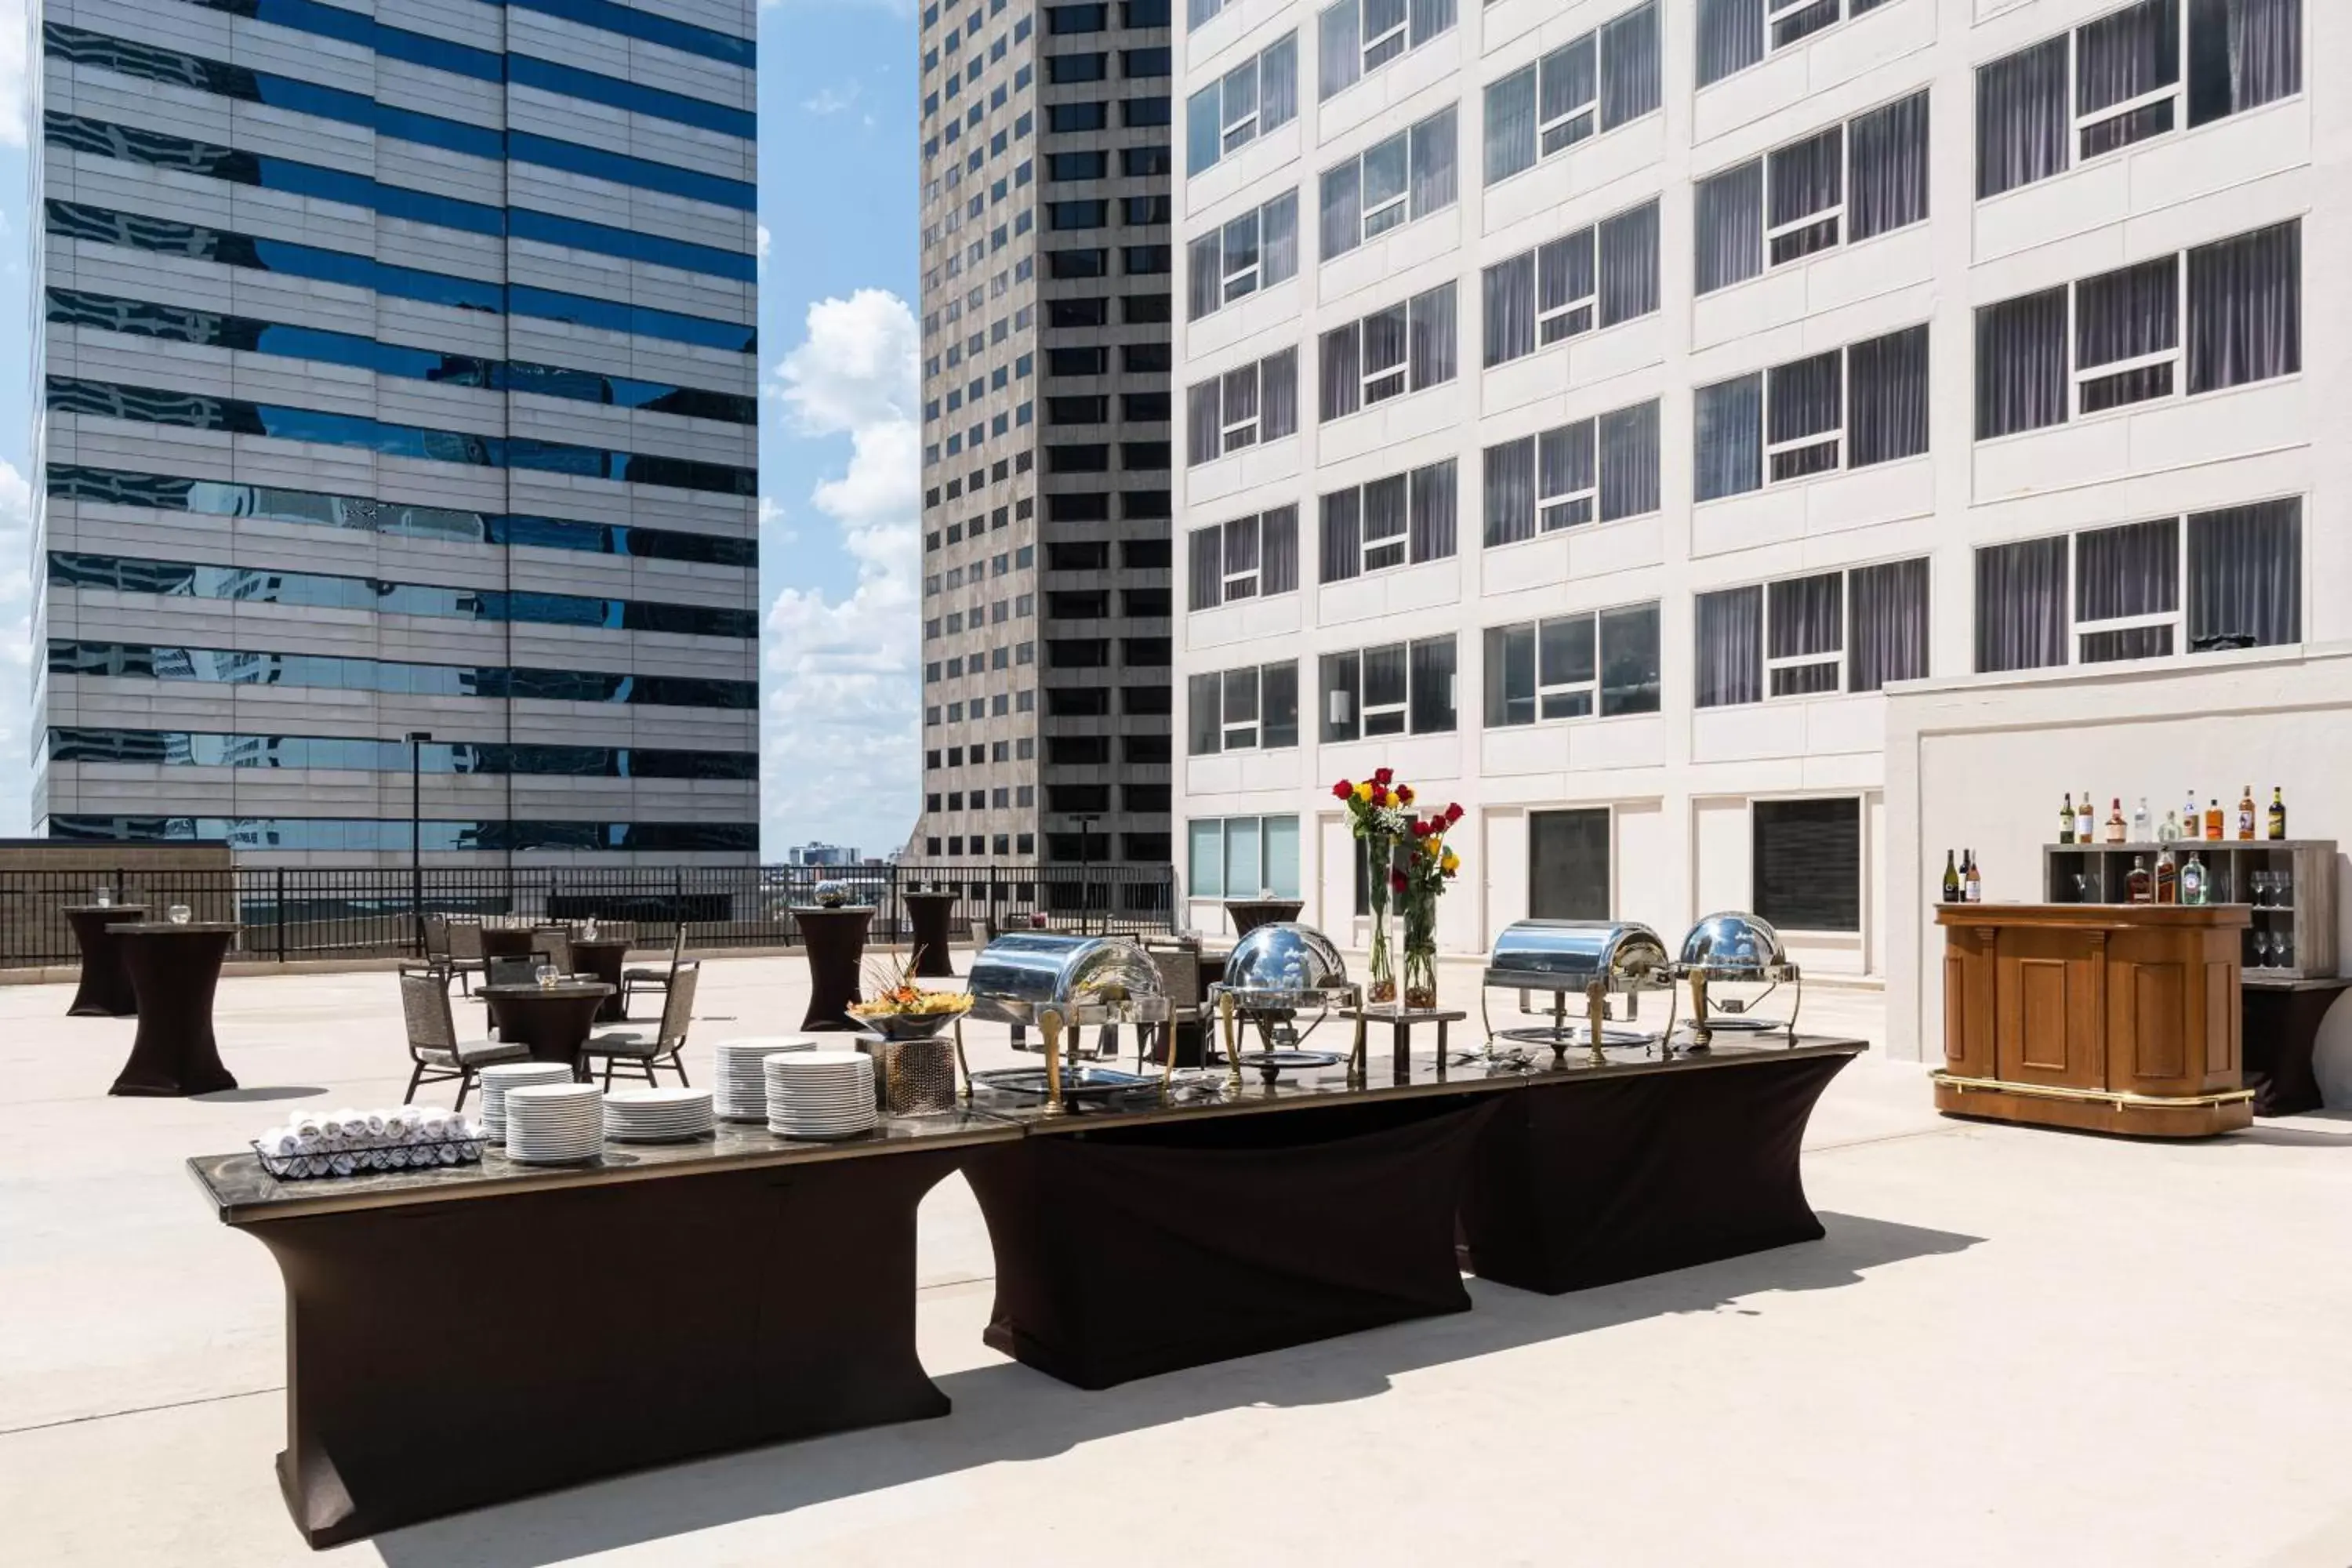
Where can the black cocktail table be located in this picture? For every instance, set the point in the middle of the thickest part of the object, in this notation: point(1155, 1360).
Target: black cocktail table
point(928, 912)
point(602, 957)
point(105, 989)
point(835, 939)
point(2280, 1026)
point(173, 971)
point(553, 1020)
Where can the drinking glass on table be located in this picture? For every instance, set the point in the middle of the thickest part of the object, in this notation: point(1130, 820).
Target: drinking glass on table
point(105, 897)
point(546, 977)
point(177, 914)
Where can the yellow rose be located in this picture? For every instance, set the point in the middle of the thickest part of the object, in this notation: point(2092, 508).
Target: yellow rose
point(1363, 791)
point(1451, 862)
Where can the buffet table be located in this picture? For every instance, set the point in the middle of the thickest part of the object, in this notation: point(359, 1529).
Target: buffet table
point(669, 1303)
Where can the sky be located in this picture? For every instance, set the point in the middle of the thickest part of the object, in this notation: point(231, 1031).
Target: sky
point(839, 425)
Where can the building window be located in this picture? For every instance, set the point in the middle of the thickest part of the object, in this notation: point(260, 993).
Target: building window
point(1398, 688)
point(1848, 408)
point(1248, 558)
point(1244, 407)
point(1601, 275)
point(1241, 857)
point(1733, 34)
point(1606, 79)
point(1606, 466)
point(1252, 710)
point(1840, 187)
point(2231, 578)
point(1807, 864)
point(1408, 347)
point(2118, 81)
point(1389, 522)
point(1802, 637)
point(2116, 339)
point(1255, 250)
point(1239, 107)
point(1356, 37)
point(1573, 666)
point(1409, 175)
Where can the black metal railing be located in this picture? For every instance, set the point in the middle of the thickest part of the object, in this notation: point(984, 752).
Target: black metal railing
point(302, 912)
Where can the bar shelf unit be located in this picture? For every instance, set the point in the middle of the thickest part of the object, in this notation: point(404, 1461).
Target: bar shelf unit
point(2099, 873)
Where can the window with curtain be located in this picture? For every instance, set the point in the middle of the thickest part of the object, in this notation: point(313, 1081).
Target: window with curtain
point(1848, 408)
point(1244, 407)
point(2228, 578)
point(1733, 34)
point(1806, 863)
point(1572, 667)
point(2141, 71)
point(1804, 633)
point(1247, 102)
point(1393, 690)
point(1408, 347)
point(1356, 37)
point(1852, 182)
point(1608, 78)
point(1241, 857)
point(1409, 175)
point(2225, 314)
point(1248, 558)
point(1597, 277)
point(1248, 710)
point(1396, 521)
point(1256, 250)
point(1887, 624)
point(1204, 858)
point(1605, 467)
point(1730, 627)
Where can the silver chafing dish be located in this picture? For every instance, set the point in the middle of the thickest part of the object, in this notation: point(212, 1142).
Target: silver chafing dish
point(1277, 973)
point(1577, 961)
point(1063, 984)
point(1734, 948)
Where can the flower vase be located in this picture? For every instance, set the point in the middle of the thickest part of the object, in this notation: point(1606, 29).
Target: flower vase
point(1379, 982)
point(1421, 959)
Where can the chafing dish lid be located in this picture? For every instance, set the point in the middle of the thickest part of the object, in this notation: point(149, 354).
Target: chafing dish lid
point(1023, 971)
point(1284, 961)
point(1567, 955)
point(1735, 945)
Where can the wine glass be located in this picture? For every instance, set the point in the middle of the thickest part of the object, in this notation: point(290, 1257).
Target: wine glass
point(2282, 948)
point(177, 914)
point(2262, 885)
point(105, 897)
point(2282, 890)
point(546, 973)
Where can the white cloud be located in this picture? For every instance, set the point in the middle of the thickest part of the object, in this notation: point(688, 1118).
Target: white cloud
point(13, 101)
point(16, 643)
point(832, 100)
point(842, 717)
point(762, 249)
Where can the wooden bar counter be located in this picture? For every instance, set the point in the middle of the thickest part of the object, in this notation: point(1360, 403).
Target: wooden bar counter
point(2106, 1017)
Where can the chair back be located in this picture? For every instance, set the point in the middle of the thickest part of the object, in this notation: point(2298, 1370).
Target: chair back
point(557, 945)
point(436, 936)
point(424, 1004)
point(1179, 964)
point(465, 939)
point(677, 950)
point(677, 1005)
point(510, 972)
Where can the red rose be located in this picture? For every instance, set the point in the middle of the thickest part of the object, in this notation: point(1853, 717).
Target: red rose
point(1381, 776)
point(1454, 812)
point(1396, 880)
point(1342, 789)
point(1405, 794)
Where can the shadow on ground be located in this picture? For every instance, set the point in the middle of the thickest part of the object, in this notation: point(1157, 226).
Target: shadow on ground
point(244, 1096)
point(1007, 1413)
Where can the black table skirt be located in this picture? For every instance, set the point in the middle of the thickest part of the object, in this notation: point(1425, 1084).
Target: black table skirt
point(2281, 1033)
point(174, 974)
point(469, 1352)
point(928, 914)
point(105, 990)
point(835, 941)
point(1126, 1252)
point(1583, 1183)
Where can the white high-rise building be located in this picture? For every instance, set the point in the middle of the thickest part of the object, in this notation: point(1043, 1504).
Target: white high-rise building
point(399, 390)
point(1588, 409)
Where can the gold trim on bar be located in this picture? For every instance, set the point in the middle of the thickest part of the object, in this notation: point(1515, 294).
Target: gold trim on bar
point(2119, 1098)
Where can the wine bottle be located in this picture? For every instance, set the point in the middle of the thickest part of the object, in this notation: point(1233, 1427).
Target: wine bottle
point(2192, 881)
point(2138, 884)
point(2085, 820)
point(2167, 877)
point(2278, 813)
point(1951, 880)
point(2246, 811)
point(2067, 821)
point(1973, 881)
point(2212, 820)
point(2171, 825)
point(2115, 821)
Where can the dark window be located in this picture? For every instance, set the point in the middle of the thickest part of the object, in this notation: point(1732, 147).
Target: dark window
point(1143, 406)
point(1145, 261)
point(1146, 699)
point(1146, 62)
point(1146, 748)
point(1066, 118)
point(1078, 361)
point(1082, 555)
point(1147, 602)
point(1078, 263)
point(1080, 606)
point(1145, 555)
point(1146, 798)
point(1074, 849)
point(1144, 358)
point(1063, 19)
point(1568, 864)
point(1145, 847)
point(1078, 701)
point(1146, 653)
point(1077, 798)
point(1067, 459)
point(1139, 210)
point(1078, 653)
point(1077, 165)
point(1076, 214)
point(1078, 313)
point(1143, 455)
point(1145, 310)
point(1090, 506)
point(1808, 866)
point(1076, 67)
point(1144, 14)
point(1078, 410)
point(1144, 163)
point(1145, 110)
point(1078, 750)
point(1150, 505)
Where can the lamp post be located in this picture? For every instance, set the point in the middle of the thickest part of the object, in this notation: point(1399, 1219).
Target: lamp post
point(416, 740)
point(1085, 873)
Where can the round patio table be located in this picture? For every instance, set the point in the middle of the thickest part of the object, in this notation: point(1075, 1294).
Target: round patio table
point(835, 939)
point(105, 988)
point(173, 969)
point(510, 942)
point(602, 958)
point(553, 1020)
point(928, 912)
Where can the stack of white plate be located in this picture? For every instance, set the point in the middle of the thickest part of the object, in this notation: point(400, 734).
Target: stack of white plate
point(553, 1124)
point(656, 1115)
point(820, 1094)
point(742, 1089)
point(499, 1078)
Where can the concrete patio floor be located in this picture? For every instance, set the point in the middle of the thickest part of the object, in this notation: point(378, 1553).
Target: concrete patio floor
point(2014, 1347)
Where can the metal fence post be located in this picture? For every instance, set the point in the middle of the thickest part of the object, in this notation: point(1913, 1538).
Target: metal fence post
point(279, 919)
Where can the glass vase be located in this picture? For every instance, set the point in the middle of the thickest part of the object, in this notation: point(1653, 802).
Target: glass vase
point(1420, 976)
point(1379, 980)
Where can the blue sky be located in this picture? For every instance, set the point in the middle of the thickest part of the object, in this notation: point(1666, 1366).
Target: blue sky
point(838, 440)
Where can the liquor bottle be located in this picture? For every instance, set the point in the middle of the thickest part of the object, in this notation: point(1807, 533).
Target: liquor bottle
point(2138, 884)
point(2115, 820)
point(2278, 813)
point(2139, 828)
point(2246, 811)
point(2167, 877)
point(2189, 816)
point(2212, 820)
point(2171, 825)
point(2192, 881)
point(2087, 818)
point(1973, 882)
point(1951, 880)
point(2067, 821)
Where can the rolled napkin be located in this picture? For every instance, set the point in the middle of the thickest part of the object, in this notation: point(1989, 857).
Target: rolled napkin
point(308, 1126)
point(378, 1123)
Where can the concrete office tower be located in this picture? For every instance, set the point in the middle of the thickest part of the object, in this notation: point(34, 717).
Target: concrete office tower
point(400, 377)
point(1660, 383)
point(1046, 171)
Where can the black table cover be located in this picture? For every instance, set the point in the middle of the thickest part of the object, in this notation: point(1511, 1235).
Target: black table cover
point(602, 957)
point(928, 912)
point(837, 944)
point(554, 1021)
point(173, 969)
point(1588, 1182)
point(2281, 1030)
point(105, 989)
point(1122, 1252)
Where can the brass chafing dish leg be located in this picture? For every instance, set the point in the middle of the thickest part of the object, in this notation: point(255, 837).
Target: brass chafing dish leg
point(1596, 1010)
point(1357, 1068)
point(1049, 1025)
point(963, 1067)
point(1232, 1046)
point(1701, 1036)
point(1796, 1001)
